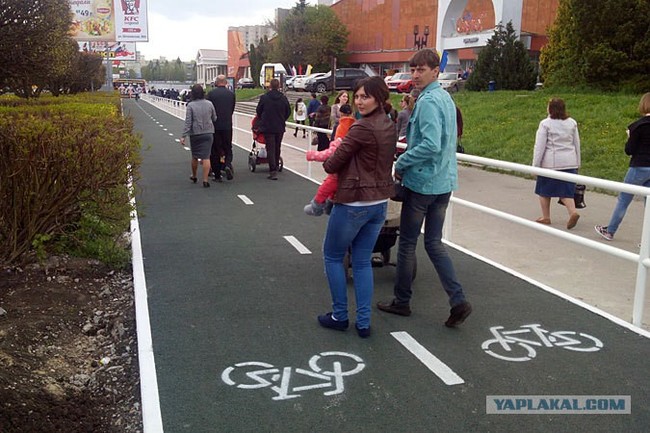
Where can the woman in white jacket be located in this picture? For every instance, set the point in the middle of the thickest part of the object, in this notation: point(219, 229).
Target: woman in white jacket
point(557, 147)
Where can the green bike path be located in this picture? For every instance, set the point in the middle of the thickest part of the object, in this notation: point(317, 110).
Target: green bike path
point(235, 281)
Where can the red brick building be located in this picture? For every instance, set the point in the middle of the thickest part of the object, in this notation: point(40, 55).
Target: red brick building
point(385, 33)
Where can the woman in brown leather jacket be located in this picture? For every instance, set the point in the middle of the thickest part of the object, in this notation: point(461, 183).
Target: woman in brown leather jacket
point(363, 163)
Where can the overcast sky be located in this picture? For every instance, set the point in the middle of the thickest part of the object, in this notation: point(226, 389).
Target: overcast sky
point(179, 28)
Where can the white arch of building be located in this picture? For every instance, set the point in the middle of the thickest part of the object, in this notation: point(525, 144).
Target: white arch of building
point(450, 10)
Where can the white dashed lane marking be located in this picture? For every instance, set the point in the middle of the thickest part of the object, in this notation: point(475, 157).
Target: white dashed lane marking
point(297, 245)
point(439, 368)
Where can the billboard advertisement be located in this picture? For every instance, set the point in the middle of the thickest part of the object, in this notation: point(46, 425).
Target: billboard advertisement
point(109, 20)
point(113, 50)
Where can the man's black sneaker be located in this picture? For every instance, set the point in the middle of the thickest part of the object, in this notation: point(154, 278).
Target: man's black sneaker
point(363, 332)
point(229, 174)
point(218, 179)
point(458, 314)
point(392, 307)
point(327, 321)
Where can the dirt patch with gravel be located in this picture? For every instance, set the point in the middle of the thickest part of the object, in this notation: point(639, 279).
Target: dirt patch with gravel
point(68, 349)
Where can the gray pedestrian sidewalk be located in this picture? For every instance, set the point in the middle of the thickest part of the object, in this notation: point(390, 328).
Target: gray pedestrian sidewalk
point(591, 276)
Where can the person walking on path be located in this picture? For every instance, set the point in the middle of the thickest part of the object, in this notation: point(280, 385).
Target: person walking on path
point(273, 110)
point(363, 163)
point(224, 105)
point(199, 127)
point(299, 116)
point(323, 121)
point(314, 103)
point(638, 148)
point(428, 172)
point(557, 147)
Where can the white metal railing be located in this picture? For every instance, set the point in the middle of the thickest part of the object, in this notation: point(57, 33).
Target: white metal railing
point(642, 259)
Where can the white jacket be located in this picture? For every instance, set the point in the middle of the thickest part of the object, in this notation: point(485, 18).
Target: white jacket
point(557, 144)
point(299, 106)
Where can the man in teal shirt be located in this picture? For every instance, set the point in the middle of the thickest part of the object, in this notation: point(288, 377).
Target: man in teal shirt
point(428, 171)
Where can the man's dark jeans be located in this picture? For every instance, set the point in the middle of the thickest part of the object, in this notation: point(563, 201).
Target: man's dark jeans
point(273, 142)
point(414, 210)
point(221, 147)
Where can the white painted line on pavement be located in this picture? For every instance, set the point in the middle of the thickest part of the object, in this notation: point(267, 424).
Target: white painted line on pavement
point(171, 134)
point(151, 415)
point(297, 245)
point(438, 367)
point(245, 199)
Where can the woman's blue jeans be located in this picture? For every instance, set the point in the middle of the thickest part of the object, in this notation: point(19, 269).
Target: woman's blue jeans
point(415, 208)
point(635, 176)
point(357, 228)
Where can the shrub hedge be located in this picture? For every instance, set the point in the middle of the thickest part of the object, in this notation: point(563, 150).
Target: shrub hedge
point(64, 167)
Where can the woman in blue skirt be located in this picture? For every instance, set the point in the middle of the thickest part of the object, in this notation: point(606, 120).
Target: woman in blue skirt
point(557, 147)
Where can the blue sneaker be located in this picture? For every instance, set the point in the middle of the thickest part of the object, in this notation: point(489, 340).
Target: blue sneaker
point(327, 321)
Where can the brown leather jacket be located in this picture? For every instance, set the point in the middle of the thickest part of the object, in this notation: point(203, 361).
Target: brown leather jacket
point(364, 160)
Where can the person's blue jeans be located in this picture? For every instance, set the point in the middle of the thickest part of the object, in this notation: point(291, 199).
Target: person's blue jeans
point(415, 208)
point(357, 228)
point(634, 176)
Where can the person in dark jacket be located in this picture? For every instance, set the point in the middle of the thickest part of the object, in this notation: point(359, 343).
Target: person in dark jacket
point(363, 162)
point(224, 104)
point(314, 103)
point(323, 121)
point(273, 110)
point(638, 147)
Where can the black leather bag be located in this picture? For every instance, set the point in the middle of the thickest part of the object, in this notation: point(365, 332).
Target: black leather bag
point(578, 197)
point(400, 192)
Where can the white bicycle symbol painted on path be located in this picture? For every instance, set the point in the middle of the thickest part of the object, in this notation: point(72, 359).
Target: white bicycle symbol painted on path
point(510, 346)
point(256, 375)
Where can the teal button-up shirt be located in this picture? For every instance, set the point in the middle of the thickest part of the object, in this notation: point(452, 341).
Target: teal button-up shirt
point(429, 164)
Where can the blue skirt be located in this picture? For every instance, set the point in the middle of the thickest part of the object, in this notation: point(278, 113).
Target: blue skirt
point(549, 187)
point(201, 145)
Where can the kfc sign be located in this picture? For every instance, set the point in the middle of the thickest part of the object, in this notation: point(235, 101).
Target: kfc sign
point(131, 20)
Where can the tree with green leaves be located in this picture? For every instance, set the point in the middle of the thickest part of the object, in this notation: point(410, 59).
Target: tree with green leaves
point(600, 43)
point(310, 35)
point(258, 55)
point(33, 34)
point(505, 61)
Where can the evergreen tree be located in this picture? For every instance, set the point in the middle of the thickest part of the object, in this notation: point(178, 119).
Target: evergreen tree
point(601, 43)
point(505, 61)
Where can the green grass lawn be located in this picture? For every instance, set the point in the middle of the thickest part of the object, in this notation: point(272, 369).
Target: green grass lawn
point(502, 125)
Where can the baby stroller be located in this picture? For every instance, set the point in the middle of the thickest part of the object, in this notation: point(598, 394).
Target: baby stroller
point(257, 155)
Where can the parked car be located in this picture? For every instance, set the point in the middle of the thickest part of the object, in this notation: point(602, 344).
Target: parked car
point(299, 83)
point(405, 87)
point(245, 83)
point(450, 81)
point(345, 80)
point(290, 80)
point(397, 79)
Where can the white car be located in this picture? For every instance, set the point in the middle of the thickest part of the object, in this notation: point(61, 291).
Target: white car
point(300, 83)
point(450, 81)
point(291, 79)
